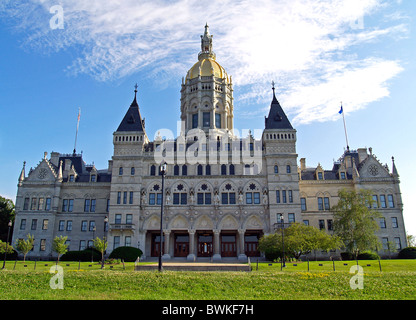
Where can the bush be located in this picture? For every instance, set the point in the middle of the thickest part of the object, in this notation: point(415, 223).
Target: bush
point(408, 253)
point(128, 254)
point(347, 256)
point(84, 255)
point(368, 255)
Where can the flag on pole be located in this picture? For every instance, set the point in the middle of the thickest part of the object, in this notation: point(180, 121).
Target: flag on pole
point(341, 111)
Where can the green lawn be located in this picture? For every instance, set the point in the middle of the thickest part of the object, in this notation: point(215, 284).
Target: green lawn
point(87, 281)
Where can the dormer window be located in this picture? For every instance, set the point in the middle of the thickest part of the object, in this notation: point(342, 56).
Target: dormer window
point(320, 176)
point(71, 178)
point(342, 175)
point(93, 178)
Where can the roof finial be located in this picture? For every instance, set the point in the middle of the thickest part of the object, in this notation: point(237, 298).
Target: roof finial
point(135, 89)
point(273, 86)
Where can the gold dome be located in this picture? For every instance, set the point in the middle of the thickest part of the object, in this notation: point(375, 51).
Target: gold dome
point(206, 68)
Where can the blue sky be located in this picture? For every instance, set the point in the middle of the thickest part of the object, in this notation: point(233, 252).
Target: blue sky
point(318, 52)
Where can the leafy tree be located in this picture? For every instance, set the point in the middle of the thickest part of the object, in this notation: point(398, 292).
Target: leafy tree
point(6, 214)
point(299, 239)
point(59, 245)
point(24, 246)
point(3, 248)
point(355, 222)
point(411, 240)
point(101, 245)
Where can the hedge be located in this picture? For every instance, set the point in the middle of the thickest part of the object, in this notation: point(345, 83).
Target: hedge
point(128, 254)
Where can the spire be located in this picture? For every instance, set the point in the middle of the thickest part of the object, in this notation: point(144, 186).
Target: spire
point(22, 173)
point(395, 173)
point(132, 121)
point(206, 45)
point(277, 118)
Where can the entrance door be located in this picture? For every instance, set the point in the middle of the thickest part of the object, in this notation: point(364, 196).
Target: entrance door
point(156, 245)
point(181, 245)
point(205, 245)
point(228, 245)
point(251, 243)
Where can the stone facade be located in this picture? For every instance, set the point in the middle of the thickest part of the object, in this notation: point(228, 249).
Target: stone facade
point(222, 191)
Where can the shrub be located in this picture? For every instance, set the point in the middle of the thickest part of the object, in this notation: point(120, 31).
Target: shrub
point(408, 253)
point(347, 256)
point(84, 255)
point(368, 255)
point(128, 254)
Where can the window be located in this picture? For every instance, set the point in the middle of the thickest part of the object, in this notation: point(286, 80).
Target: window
point(288, 169)
point(87, 205)
point(306, 222)
point(176, 170)
point(93, 178)
point(326, 203)
point(71, 178)
point(132, 171)
point(208, 170)
point(394, 223)
point(303, 204)
point(206, 121)
point(117, 218)
point(107, 208)
point(194, 120)
point(125, 197)
point(82, 245)
point(291, 217)
point(41, 203)
point(390, 200)
point(70, 205)
point(277, 196)
point(321, 224)
point(152, 170)
point(120, 171)
point(290, 196)
point(34, 224)
point(320, 176)
point(375, 201)
point(42, 245)
point(398, 243)
point(152, 198)
point(129, 219)
point(33, 206)
point(23, 224)
point(232, 170)
point(343, 177)
point(382, 223)
point(284, 196)
point(84, 225)
point(252, 197)
point(116, 242)
point(131, 197)
point(228, 198)
point(218, 120)
point(184, 170)
point(26, 204)
point(320, 204)
point(45, 224)
point(249, 198)
point(200, 170)
point(330, 224)
point(61, 225)
point(119, 197)
point(180, 198)
point(385, 243)
point(383, 203)
point(92, 225)
point(127, 241)
point(204, 198)
point(276, 169)
point(223, 169)
point(69, 225)
point(48, 204)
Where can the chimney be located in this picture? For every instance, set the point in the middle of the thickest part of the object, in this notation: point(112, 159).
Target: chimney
point(362, 154)
point(302, 163)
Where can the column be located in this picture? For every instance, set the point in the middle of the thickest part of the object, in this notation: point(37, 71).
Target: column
point(166, 254)
point(241, 256)
point(191, 256)
point(217, 255)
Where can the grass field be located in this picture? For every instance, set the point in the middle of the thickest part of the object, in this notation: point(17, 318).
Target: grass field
point(396, 281)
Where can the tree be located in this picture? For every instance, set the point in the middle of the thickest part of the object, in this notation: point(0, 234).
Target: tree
point(24, 246)
point(355, 222)
point(299, 239)
point(411, 240)
point(6, 214)
point(101, 245)
point(3, 248)
point(59, 246)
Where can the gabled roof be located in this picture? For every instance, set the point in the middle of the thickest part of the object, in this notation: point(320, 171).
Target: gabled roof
point(132, 121)
point(277, 118)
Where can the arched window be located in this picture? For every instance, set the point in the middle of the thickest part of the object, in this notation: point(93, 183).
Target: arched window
point(152, 170)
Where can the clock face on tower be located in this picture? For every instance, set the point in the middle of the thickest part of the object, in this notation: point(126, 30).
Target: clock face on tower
point(373, 170)
point(42, 173)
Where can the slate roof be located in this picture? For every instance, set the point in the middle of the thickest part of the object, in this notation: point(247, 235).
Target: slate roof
point(132, 121)
point(277, 118)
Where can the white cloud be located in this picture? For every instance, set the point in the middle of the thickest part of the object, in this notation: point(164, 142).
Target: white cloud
point(305, 46)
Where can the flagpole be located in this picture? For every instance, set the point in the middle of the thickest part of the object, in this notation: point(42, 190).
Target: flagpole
point(76, 133)
point(345, 128)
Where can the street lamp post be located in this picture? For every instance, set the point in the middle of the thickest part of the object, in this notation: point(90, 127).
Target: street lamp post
point(92, 245)
point(104, 239)
point(7, 242)
point(163, 173)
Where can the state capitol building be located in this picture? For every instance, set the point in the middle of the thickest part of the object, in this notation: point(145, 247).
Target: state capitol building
point(221, 192)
